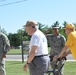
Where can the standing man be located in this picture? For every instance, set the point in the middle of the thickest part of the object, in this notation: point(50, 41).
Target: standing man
point(57, 42)
point(4, 47)
point(38, 59)
point(71, 41)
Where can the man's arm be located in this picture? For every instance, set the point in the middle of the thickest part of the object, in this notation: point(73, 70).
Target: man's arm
point(31, 56)
point(67, 53)
point(5, 44)
point(63, 51)
point(32, 53)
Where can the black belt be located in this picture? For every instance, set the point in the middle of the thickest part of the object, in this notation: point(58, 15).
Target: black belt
point(42, 55)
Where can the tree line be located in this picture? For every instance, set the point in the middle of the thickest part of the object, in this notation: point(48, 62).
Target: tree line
point(17, 38)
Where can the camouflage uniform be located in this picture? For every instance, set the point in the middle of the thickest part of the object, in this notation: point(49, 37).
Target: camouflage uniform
point(4, 47)
point(56, 43)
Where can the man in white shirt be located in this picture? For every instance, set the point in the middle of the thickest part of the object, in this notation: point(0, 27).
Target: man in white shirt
point(38, 60)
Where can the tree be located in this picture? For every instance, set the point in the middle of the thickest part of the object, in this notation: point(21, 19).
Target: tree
point(64, 24)
point(23, 34)
point(55, 24)
point(15, 39)
point(63, 30)
point(40, 26)
point(44, 28)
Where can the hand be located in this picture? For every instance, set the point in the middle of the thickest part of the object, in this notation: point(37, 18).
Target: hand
point(64, 55)
point(55, 58)
point(4, 55)
point(60, 56)
point(25, 67)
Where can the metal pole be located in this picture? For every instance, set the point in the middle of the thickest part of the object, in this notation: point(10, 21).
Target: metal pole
point(22, 53)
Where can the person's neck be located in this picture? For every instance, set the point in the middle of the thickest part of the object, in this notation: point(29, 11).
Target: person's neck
point(56, 34)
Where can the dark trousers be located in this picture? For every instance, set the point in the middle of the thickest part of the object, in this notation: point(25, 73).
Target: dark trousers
point(39, 65)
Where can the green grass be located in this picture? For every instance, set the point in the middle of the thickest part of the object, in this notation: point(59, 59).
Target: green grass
point(16, 68)
point(19, 51)
point(70, 68)
point(16, 51)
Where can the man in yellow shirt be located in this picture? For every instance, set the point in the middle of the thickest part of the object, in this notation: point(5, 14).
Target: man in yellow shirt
point(70, 43)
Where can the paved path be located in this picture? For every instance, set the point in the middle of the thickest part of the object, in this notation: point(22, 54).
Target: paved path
point(19, 57)
point(15, 57)
point(70, 58)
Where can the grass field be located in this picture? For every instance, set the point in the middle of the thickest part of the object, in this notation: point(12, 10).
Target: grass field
point(16, 68)
point(16, 52)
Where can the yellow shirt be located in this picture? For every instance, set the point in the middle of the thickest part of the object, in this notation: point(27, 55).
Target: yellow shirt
point(71, 43)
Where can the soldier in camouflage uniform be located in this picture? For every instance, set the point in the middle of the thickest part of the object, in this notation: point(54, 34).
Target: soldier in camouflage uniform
point(4, 47)
point(57, 42)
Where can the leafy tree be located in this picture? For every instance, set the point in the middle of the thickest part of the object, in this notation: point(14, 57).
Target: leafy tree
point(64, 24)
point(63, 30)
point(55, 24)
point(44, 28)
point(40, 25)
point(15, 39)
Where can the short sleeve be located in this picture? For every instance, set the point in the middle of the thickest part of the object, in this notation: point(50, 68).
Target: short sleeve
point(69, 41)
point(35, 40)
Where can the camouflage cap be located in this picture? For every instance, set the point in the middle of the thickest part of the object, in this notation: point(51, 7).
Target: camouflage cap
point(56, 26)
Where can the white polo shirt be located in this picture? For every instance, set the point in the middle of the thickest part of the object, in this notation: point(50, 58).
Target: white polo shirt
point(39, 39)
